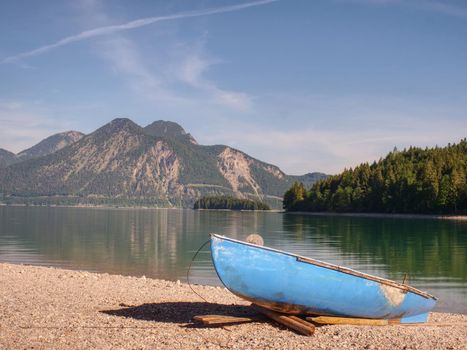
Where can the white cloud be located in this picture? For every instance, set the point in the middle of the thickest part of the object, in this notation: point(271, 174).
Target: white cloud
point(191, 70)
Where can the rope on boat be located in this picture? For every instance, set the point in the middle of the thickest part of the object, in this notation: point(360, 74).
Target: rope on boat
point(189, 268)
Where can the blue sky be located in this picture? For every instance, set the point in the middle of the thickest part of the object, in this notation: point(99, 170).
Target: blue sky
point(306, 85)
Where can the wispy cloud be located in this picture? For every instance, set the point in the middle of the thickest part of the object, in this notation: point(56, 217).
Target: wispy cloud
point(160, 83)
point(125, 60)
point(191, 70)
point(327, 150)
point(105, 30)
point(329, 133)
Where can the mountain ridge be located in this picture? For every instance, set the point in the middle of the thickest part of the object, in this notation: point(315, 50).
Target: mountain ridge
point(122, 163)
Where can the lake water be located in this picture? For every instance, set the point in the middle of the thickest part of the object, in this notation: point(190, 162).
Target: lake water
point(160, 243)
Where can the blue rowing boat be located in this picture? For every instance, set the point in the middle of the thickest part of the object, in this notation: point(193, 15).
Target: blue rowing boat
point(293, 284)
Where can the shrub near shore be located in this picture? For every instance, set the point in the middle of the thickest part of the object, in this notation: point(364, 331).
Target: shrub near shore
point(232, 203)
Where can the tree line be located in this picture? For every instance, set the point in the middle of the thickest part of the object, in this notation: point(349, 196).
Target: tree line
point(227, 202)
point(415, 180)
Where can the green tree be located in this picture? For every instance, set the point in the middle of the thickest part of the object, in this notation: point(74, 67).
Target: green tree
point(294, 196)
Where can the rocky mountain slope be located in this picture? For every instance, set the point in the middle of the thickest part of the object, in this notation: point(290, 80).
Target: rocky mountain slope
point(122, 163)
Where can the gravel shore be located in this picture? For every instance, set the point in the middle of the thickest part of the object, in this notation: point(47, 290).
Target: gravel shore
point(48, 308)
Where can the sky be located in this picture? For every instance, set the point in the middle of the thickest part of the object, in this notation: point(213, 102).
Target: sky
point(317, 85)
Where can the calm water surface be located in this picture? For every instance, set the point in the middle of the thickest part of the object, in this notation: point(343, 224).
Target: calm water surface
point(160, 243)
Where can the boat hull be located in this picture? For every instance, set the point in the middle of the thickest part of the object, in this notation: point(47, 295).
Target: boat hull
point(292, 284)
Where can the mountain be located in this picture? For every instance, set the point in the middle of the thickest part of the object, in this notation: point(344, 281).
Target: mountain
point(6, 157)
point(167, 129)
point(49, 145)
point(122, 163)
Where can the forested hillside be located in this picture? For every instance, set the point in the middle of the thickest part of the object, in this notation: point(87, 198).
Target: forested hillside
point(425, 181)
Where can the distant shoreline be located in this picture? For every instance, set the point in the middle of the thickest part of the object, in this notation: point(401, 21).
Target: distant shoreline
point(84, 206)
point(103, 206)
point(279, 211)
point(382, 215)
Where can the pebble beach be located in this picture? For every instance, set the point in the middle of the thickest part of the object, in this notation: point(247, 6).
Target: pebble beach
point(50, 308)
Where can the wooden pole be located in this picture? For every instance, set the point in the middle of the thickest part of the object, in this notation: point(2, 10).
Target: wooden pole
point(371, 322)
point(351, 321)
point(293, 322)
point(221, 319)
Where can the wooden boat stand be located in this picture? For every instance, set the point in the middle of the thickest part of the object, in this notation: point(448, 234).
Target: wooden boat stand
point(293, 322)
point(300, 325)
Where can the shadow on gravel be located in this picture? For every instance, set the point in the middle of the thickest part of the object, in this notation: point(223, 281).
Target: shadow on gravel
point(179, 312)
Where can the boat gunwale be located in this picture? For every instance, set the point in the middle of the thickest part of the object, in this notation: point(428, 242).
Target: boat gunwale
point(349, 271)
